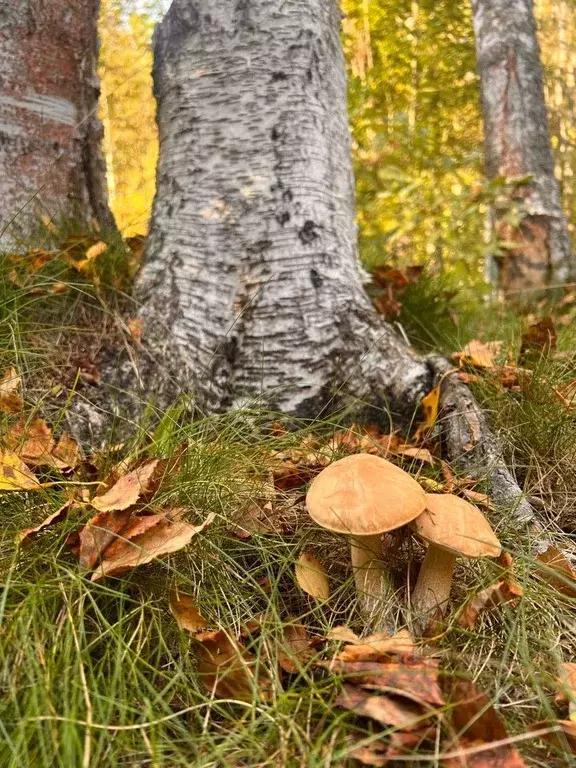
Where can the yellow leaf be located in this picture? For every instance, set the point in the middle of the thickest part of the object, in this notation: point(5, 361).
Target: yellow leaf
point(429, 405)
point(311, 576)
point(479, 354)
point(10, 398)
point(15, 475)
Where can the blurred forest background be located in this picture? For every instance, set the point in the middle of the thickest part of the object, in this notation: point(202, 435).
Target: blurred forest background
point(415, 116)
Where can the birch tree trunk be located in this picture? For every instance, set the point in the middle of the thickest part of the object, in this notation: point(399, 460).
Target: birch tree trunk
point(517, 144)
point(50, 157)
point(251, 288)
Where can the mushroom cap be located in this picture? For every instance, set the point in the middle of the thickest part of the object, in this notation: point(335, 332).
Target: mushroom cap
point(364, 495)
point(457, 526)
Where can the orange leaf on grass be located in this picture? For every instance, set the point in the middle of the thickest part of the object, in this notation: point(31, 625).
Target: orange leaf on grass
point(501, 593)
point(479, 354)
point(128, 489)
point(56, 517)
point(163, 538)
point(186, 612)
point(557, 571)
point(372, 647)
point(387, 710)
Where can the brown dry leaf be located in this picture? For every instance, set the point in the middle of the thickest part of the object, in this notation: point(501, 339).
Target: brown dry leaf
point(538, 338)
point(297, 647)
point(227, 670)
point(374, 647)
point(501, 593)
point(185, 611)
point(135, 325)
point(311, 576)
point(419, 454)
point(477, 498)
point(557, 571)
point(290, 475)
point(67, 452)
point(10, 389)
point(33, 442)
point(415, 679)
point(56, 517)
point(563, 735)
point(15, 475)
point(98, 534)
point(567, 687)
point(479, 354)
point(475, 721)
point(429, 406)
point(380, 754)
point(128, 489)
point(163, 538)
point(388, 710)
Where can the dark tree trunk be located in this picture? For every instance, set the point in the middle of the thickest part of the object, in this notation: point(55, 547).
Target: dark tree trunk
point(517, 144)
point(251, 287)
point(50, 158)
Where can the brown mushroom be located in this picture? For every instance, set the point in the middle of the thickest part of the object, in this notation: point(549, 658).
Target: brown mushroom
point(452, 527)
point(365, 496)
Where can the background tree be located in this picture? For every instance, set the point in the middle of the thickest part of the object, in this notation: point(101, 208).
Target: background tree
point(50, 159)
point(517, 145)
point(251, 289)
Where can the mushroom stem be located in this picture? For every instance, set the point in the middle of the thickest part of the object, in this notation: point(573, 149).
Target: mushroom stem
point(373, 584)
point(432, 590)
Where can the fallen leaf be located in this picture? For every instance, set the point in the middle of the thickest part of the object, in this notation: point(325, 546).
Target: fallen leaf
point(96, 250)
point(135, 327)
point(380, 753)
point(296, 647)
point(374, 647)
point(475, 721)
point(415, 679)
point(165, 537)
point(563, 735)
point(501, 593)
point(479, 354)
point(477, 497)
point(56, 517)
point(311, 576)
point(419, 454)
point(429, 406)
point(98, 534)
point(185, 611)
point(388, 710)
point(15, 475)
point(128, 489)
point(432, 486)
point(538, 338)
point(67, 452)
point(10, 388)
point(227, 670)
point(557, 571)
point(33, 442)
point(566, 685)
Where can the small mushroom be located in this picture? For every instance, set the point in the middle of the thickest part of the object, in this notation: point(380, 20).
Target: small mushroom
point(452, 527)
point(365, 496)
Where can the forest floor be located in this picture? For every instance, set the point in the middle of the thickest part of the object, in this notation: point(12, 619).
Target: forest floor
point(167, 601)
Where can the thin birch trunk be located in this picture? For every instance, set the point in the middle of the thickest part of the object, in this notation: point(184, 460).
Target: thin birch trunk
point(517, 144)
point(50, 158)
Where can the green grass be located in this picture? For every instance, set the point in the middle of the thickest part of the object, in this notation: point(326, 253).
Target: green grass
point(98, 673)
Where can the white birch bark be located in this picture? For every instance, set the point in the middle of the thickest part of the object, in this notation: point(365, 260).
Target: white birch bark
point(251, 287)
point(517, 143)
point(50, 159)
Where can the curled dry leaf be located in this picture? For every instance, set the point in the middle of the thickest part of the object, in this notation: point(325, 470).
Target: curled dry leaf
point(164, 538)
point(501, 593)
point(106, 532)
point(311, 576)
point(15, 475)
point(475, 721)
point(129, 488)
point(373, 647)
point(387, 710)
point(186, 612)
point(380, 753)
point(479, 354)
point(10, 389)
point(562, 733)
point(56, 517)
point(566, 685)
point(297, 647)
point(556, 571)
point(419, 454)
point(227, 670)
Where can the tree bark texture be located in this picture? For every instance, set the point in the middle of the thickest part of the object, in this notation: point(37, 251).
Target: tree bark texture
point(251, 289)
point(50, 156)
point(517, 144)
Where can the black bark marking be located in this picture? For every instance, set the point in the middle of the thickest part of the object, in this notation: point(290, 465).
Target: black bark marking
point(307, 233)
point(316, 279)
